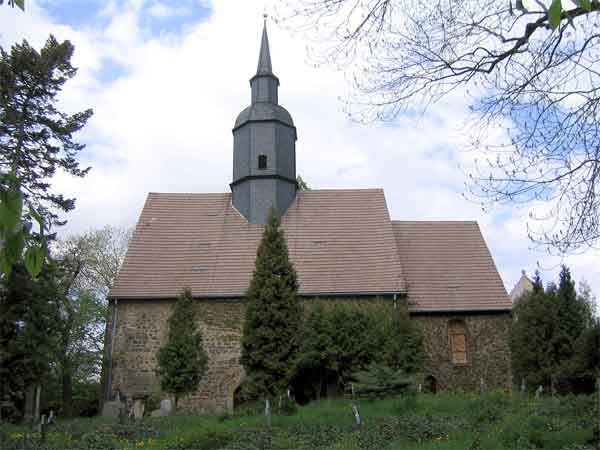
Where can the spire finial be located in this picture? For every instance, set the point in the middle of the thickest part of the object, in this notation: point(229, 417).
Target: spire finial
point(264, 59)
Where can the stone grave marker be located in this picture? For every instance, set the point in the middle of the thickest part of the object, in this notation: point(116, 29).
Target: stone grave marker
point(166, 407)
point(138, 409)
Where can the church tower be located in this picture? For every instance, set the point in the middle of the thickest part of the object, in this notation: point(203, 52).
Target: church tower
point(264, 148)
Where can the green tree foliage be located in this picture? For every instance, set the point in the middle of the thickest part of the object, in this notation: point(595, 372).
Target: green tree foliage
point(13, 3)
point(36, 140)
point(338, 341)
point(182, 361)
point(273, 317)
point(404, 346)
point(573, 319)
point(334, 343)
point(380, 381)
point(29, 322)
point(588, 353)
point(531, 349)
point(302, 185)
point(547, 332)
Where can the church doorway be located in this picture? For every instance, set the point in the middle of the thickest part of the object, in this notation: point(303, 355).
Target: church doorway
point(237, 398)
point(430, 385)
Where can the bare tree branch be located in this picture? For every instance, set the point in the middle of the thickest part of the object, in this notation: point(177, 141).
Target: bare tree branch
point(537, 83)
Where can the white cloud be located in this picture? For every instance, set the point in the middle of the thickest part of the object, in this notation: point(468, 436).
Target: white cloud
point(165, 125)
point(160, 10)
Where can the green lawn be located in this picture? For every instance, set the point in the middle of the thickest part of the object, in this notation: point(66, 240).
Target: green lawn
point(443, 421)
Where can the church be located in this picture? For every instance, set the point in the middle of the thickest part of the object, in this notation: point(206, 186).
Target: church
point(344, 247)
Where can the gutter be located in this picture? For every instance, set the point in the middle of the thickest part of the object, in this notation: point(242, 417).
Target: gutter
point(242, 296)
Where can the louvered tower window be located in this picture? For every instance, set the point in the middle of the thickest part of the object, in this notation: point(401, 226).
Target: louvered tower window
point(262, 161)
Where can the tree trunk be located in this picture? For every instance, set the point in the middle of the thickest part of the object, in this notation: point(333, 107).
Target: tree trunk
point(67, 390)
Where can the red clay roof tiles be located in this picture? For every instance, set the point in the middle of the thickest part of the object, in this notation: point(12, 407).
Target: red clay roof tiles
point(340, 241)
point(448, 267)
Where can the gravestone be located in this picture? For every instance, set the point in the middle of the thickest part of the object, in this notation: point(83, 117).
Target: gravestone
point(539, 391)
point(155, 413)
point(138, 409)
point(166, 407)
point(112, 409)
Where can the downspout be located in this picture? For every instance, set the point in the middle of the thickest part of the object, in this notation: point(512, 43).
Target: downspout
point(110, 353)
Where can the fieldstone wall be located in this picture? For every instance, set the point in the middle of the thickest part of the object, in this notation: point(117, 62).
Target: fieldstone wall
point(142, 329)
point(488, 352)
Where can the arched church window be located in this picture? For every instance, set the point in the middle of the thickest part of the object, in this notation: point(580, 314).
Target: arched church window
point(262, 161)
point(458, 341)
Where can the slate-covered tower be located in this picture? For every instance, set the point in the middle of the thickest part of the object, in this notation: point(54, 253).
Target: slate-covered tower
point(264, 148)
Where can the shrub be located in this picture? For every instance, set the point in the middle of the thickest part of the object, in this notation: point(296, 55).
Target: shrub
point(201, 439)
point(379, 381)
point(341, 340)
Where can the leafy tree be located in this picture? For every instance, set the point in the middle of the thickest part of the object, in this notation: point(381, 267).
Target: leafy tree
point(339, 341)
point(529, 68)
point(549, 327)
point(588, 352)
point(86, 266)
point(302, 185)
point(273, 315)
point(96, 256)
point(29, 322)
point(36, 140)
point(182, 361)
point(404, 342)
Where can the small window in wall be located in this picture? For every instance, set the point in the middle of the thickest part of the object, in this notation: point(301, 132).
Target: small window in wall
point(458, 342)
point(262, 161)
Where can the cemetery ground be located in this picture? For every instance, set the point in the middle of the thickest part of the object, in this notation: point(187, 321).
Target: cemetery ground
point(427, 421)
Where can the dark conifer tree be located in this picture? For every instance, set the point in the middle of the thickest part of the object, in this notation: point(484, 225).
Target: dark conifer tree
point(573, 318)
point(550, 327)
point(182, 361)
point(533, 327)
point(273, 317)
point(29, 323)
point(36, 137)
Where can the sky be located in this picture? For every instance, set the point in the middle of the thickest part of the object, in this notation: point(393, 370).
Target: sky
point(166, 80)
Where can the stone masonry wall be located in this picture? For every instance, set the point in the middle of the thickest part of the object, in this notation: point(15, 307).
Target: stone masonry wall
point(142, 329)
point(488, 353)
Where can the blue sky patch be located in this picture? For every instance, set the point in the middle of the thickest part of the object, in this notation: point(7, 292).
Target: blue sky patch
point(75, 12)
point(110, 71)
point(157, 17)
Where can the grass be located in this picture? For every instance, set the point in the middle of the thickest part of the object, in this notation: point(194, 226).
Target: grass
point(443, 421)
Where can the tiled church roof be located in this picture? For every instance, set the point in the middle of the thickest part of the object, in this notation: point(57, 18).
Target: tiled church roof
point(340, 241)
point(448, 267)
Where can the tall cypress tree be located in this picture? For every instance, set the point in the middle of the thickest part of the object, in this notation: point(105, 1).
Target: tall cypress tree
point(273, 317)
point(182, 361)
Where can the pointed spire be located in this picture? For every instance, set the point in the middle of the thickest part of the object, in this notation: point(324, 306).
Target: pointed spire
point(264, 59)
